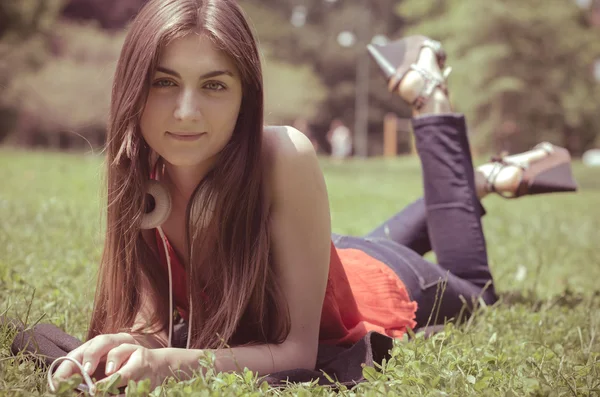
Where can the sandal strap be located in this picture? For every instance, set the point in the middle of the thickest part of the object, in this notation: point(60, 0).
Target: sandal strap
point(545, 146)
point(401, 71)
point(431, 83)
point(499, 164)
point(437, 48)
point(491, 180)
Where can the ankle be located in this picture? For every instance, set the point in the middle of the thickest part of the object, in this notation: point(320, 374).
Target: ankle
point(504, 181)
point(437, 103)
point(425, 85)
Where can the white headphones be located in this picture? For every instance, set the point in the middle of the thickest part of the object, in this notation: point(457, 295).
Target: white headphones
point(162, 206)
point(153, 220)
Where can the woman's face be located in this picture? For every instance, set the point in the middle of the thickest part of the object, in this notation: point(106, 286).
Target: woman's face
point(193, 102)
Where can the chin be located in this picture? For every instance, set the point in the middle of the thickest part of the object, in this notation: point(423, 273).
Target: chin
point(182, 160)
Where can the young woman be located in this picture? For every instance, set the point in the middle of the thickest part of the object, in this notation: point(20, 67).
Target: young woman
point(219, 227)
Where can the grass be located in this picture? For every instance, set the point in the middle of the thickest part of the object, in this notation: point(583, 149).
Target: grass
point(541, 339)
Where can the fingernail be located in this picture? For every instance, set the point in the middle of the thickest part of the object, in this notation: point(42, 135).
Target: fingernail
point(87, 367)
point(110, 367)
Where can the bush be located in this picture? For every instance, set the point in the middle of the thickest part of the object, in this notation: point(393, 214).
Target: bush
point(64, 101)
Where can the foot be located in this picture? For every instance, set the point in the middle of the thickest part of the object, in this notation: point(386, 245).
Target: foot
point(414, 82)
point(504, 178)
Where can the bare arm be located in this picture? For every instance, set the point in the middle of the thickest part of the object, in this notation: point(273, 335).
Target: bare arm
point(93, 352)
point(301, 238)
point(142, 332)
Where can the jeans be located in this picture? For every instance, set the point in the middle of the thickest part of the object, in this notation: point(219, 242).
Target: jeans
point(446, 220)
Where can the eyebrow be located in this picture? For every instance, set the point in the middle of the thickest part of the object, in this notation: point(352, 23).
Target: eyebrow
point(208, 75)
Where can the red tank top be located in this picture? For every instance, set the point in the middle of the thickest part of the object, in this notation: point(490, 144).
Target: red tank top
point(362, 295)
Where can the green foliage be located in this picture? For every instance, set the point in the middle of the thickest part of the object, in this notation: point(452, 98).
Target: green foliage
point(316, 44)
point(540, 339)
point(522, 70)
point(23, 18)
point(23, 46)
point(110, 14)
point(78, 76)
point(292, 89)
point(23, 24)
point(284, 100)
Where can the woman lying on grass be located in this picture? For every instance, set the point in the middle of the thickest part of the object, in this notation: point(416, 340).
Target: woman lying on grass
point(219, 227)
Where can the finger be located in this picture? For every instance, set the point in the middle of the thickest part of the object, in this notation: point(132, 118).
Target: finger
point(126, 372)
point(67, 369)
point(98, 349)
point(117, 356)
point(124, 377)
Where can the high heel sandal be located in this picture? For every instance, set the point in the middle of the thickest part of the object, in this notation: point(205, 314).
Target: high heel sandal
point(551, 174)
point(399, 57)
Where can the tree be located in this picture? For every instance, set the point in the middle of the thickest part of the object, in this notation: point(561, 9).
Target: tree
point(522, 69)
point(293, 56)
point(19, 19)
point(23, 46)
point(315, 43)
point(110, 14)
point(62, 99)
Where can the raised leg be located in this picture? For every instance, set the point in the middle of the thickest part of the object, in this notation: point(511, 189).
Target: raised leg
point(409, 227)
point(453, 210)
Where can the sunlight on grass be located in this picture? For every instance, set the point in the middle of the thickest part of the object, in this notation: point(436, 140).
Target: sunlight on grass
point(542, 338)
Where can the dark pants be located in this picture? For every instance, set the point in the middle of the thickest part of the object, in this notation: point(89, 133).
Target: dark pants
point(446, 220)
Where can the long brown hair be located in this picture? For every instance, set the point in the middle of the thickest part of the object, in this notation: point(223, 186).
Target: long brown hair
point(230, 260)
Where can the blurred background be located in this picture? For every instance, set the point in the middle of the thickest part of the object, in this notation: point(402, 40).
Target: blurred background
point(524, 70)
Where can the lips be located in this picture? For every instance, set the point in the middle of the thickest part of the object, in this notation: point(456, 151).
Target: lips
point(186, 136)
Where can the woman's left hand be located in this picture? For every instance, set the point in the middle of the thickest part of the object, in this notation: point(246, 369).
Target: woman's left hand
point(134, 362)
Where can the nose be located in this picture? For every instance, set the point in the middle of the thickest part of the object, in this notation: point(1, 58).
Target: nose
point(188, 106)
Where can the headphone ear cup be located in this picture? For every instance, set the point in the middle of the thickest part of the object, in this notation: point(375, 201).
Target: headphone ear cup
point(162, 206)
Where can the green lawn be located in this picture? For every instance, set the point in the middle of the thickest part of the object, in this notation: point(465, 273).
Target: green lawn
point(541, 339)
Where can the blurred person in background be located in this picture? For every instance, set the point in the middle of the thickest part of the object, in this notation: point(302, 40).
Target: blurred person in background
point(340, 139)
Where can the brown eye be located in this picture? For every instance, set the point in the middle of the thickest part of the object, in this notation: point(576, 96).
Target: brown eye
point(163, 83)
point(215, 86)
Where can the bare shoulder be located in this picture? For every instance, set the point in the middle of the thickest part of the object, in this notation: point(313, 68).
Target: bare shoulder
point(292, 157)
point(300, 234)
point(286, 140)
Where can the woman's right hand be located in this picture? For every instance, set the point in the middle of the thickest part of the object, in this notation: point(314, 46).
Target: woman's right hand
point(92, 353)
